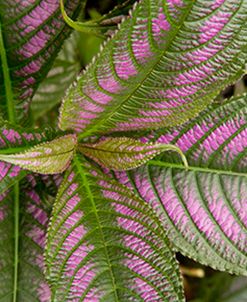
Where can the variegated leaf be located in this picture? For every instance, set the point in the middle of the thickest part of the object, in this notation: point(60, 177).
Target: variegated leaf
point(105, 244)
point(217, 139)
point(24, 214)
point(31, 34)
point(124, 153)
point(203, 207)
point(47, 158)
point(165, 64)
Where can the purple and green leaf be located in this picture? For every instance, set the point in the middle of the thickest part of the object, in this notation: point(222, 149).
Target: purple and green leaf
point(165, 64)
point(31, 34)
point(106, 244)
point(217, 139)
point(203, 207)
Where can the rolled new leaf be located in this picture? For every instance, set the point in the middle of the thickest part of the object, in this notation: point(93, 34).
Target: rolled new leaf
point(163, 66)
point(46, 158)
point(106, 244)
point(125, 153)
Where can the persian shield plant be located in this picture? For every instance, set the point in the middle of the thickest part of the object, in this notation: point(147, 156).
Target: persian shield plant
point(145, 161)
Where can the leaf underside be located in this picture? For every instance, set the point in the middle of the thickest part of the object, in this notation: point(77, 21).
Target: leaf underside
point(104, 244)
point(165, 64)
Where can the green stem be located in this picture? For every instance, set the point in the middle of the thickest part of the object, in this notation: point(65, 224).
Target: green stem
point(7, 81)
point(16, 244)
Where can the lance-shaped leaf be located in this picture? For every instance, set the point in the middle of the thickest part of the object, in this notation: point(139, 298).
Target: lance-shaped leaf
point(13, 140)
point(166, 63)
point(204, 207)
point(105, 244)
point(31, 34)
point(124, 153)
point(24, 214)
point(46, 158)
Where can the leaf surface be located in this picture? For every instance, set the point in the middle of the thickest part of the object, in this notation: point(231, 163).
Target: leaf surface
point(14, 139)
point(47, 158)
point(105, 244)
point(124, 153)
point(31, 34)
point(164, 65)
point(203, 207)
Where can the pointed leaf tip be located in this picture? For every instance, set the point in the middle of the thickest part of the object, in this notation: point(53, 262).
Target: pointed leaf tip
point(125, 153)
point(46, 158)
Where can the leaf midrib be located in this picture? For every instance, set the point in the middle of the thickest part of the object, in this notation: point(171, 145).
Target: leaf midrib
point(156, 62)
point(195, 168)
point(91, 198)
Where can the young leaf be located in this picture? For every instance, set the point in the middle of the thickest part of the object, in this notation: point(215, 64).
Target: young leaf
point(105, 244)
point(203, 207)
point(124, 153)
point(31, 34)
point(166, 63)
point(22, 239)
point(14, 140)
point(46, 158)
point(62, 74)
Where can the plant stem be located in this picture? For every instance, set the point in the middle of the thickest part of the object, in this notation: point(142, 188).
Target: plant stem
point(7, 81)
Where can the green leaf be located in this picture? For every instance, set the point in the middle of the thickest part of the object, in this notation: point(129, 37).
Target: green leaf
point(203, 207)
point(47, 158)
point(31, 34)
point(105, 244)
point(62, 74)
point(24, 214)
point(124, 153)
point(163, 66)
